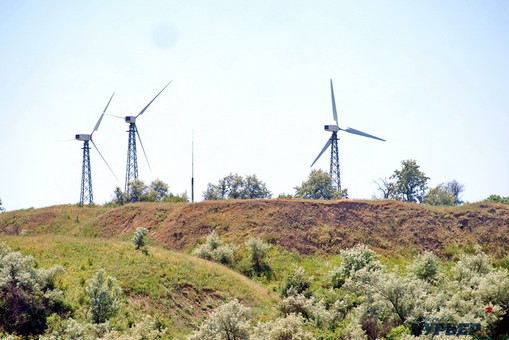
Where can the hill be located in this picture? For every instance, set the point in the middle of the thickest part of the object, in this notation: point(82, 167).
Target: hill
point(306, 227)
point(182, 289)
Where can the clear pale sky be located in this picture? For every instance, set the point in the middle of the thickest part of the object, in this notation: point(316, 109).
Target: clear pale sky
point(251, 78)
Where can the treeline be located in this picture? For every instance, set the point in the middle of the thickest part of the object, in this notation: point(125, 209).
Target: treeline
point(408, 184)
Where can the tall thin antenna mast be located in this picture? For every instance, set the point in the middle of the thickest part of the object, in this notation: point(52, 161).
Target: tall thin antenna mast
point(192, 168)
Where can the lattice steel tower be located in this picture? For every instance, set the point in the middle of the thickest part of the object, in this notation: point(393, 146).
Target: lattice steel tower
point(334, 161)
point(86, 171)
point(333, 140)
point(86, 177)
point(131, 173)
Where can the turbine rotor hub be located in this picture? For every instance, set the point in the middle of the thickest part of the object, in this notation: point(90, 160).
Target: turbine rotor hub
point(83, 137)
point(130, 119)
point(331, 128)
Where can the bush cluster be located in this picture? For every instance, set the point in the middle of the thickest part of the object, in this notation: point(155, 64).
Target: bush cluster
point(214, 249)
point(28, 295)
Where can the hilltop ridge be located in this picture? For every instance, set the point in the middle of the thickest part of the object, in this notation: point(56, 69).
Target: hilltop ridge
point(304, 226)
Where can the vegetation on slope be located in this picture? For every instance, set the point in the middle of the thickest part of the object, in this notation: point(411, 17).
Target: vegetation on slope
point(179, 288)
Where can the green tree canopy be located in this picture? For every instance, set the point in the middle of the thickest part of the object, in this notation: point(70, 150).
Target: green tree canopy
point(235, 186)
point(319, 186)
point(498, 199)
point(410, 182)
point(445, 194)
point(157, 191)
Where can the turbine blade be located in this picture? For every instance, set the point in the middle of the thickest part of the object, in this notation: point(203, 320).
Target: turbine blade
point(334, 112)
point(323, 150)
point(95, 146)
point(115, 116)
point(102, 115)
point(143, 149)
point(360, 133)
point(106, 108)
point(97, 124)
point(139, 114)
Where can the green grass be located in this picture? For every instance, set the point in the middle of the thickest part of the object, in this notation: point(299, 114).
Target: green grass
point(180, 288)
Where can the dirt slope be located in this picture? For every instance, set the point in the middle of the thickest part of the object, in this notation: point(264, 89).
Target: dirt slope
point(318, 227)
point(304, 226)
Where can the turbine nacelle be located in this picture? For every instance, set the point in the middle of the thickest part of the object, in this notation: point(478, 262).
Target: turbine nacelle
point(83, 137)
point(130, 119)
point(331, 128)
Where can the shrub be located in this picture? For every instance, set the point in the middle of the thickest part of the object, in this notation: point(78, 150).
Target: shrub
point(229, 322)
point(214, 250)
point(104, 294)
point(425, 267)
point(147, 329)
point(257, 251)
point(295, 283)
point(139, 237)
point(471, 266)
point(27, 295)
point(354, 259)
point(307, 308)
point(290, 327)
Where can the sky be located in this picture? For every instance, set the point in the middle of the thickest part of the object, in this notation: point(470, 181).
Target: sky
point(250, 81)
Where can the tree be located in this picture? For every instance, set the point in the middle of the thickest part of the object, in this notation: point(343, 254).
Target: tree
point(456, 189)
point(319, 186)
point(2, 209)
point(439, 196)
point(235, 186)
point(104, 294)
point(498, 199)
point(254, 188)
point(120, 196)
point(137, 191)
point(157, 191)
point(386, 188)
point(410, 183)
point(445, 194)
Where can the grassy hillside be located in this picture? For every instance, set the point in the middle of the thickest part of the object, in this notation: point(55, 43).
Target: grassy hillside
point(181, 289)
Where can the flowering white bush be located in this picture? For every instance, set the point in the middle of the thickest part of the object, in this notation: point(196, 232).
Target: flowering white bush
point(425, 267)
point(354, 259)
point(228, 322)
point(104, 294)
point(307, 308)
point(290, 327)
point(215, 250)
point(257, 251)
point(295, 283)
point(139, 237)
point(27, 294)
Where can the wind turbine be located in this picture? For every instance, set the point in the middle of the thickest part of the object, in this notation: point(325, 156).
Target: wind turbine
point(132, 156)
point(86, 172)
point(333, 140)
